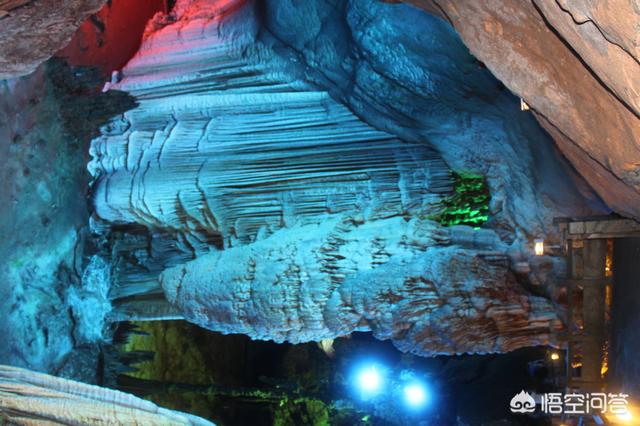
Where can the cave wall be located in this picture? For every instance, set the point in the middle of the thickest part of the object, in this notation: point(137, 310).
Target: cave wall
point(110, 37)
point(410, 74)
point(37, 240)
point(32, 32)
point(49, 305)
point(575, 63)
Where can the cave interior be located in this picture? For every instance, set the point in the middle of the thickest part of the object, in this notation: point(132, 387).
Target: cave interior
point(319, 212)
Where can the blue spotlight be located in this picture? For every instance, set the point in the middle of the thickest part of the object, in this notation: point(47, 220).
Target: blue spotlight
point(416, 395)
point(369, 380)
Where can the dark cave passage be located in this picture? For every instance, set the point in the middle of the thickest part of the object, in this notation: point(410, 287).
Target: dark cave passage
point(233, 380)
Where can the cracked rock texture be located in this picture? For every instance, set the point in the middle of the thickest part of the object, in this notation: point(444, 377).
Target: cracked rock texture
point(576, 63)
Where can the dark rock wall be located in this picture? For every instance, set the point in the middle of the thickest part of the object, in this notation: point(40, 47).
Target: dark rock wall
point(42, 206)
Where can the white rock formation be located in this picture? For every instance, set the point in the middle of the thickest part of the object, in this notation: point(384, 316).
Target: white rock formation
point(31, 398)
point(226, 144)
point(428, 289)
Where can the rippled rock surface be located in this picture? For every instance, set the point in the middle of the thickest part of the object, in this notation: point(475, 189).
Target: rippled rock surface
point(282, 170)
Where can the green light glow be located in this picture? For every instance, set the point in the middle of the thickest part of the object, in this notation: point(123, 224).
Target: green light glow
point(469, 203)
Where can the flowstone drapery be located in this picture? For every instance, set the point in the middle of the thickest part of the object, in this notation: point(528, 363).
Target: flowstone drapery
point(262, 205)
point(228, 145)
point(430, 290)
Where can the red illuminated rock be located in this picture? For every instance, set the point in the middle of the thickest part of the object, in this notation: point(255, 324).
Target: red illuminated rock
point(303, 221)
point(112, 36)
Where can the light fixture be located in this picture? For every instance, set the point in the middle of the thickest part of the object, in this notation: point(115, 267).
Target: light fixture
point(539, 247)
point(369, 380)
point(555, 356)
point(416, 395)
point(626, 417)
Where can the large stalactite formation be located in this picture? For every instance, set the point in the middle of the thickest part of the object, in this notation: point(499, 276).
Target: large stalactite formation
point(574, 62)
point(431, 291)
point(303, 221)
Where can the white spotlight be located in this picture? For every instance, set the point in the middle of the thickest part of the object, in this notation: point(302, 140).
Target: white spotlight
point(416, 395)
point(369, 380)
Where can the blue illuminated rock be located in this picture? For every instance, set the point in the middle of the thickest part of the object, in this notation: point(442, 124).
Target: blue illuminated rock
point(229, 146)
point(286, 153)
point(430, 290)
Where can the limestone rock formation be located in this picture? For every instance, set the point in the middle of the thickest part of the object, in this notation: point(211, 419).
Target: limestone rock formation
point(30, 398)
point(431, 291)
point(237, 148)
point(408, 73)
point(278, 179)
point(576, 63)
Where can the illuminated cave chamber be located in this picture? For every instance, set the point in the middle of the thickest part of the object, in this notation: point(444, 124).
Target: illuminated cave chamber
point(296, 171)
point(284, 171)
